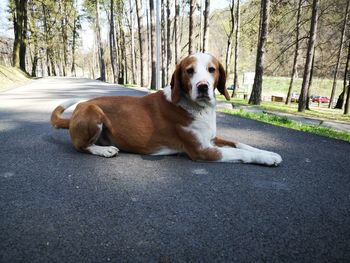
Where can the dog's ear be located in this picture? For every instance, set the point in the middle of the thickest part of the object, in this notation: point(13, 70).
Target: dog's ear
point(221, 85)
point(176, 84)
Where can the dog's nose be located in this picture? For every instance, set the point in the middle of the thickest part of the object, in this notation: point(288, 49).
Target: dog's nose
point(202, 87)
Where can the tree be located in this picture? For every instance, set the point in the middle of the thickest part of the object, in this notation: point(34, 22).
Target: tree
point(346, 90)
point(168, 42)
point(99, 43)
point(190, 27)
point(176, 26)
point(342, 96)
point(132, 47)
point(229, 36)
point(153, 44)
point(235, 78)
point(206, 25)
point(76, 26)
point(20, 22)
point(139, 28)
point(309, 56)
point(255, 97)
point(340, 50)
point(296, 52)
point(112, 45)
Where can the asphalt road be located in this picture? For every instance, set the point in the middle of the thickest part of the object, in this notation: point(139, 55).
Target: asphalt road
point(58, 205)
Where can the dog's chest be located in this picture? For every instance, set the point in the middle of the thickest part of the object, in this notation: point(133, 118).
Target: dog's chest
point(203, 126)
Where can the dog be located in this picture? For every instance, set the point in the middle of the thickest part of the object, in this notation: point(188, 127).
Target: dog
point(179, 119)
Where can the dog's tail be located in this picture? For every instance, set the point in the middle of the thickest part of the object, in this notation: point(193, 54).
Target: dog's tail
point(56, 120)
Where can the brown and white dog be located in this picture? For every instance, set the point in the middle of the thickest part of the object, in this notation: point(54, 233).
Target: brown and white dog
point(179, 119)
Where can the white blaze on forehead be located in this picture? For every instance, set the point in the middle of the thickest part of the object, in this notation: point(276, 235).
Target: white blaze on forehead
point(203, 59)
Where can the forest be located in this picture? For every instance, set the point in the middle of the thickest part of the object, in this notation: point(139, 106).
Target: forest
point(303, 42)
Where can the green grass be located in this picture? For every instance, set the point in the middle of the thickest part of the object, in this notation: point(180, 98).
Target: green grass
point(280, 85)
point(285, 122)
point(322, 113)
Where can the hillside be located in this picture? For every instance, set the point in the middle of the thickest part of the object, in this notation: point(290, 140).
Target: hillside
point(11, 77)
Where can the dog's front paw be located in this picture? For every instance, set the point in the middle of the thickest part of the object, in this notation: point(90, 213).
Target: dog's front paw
point(269, 158)
point(104, 151)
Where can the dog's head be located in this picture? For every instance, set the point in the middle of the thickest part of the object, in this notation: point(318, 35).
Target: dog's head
point(196, 77)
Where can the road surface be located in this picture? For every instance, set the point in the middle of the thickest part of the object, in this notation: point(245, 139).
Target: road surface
point(58, 205)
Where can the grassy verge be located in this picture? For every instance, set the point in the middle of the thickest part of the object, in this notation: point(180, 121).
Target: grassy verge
point(322, 113)
point(285, 122)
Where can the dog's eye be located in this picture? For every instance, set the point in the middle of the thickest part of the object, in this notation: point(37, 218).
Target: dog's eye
point(190, 71)
point(211, 69)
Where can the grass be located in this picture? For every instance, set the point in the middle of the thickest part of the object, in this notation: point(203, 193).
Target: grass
point(280, 85)
point(285, 122)
point(322, 112)
point(10, 77)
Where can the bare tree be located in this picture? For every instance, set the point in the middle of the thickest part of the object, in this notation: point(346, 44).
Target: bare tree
point(229, 36)
point(340, 101)
point(168, 42)
point(340, 50)
point(235, 78)
point(163, 44)
point(176, 26)
point(75, 36)
point(190, 29)
point(20, 23)
point(112, 45)
point(255, 97)
point(296, 52)
point(132, 47)
point(139, 25)
point(206, 25)
point(99, 43)
point(309, 56)
point(153, 44)
point(346, 86)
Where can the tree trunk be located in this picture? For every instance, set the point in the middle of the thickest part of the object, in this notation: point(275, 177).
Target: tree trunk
point(99, 43)
point(168, 42)
point(235, 79)
point(74, 40)
point(176, 25)
point(206, 25)
point(63, 13)
point(132, 47)
point(20, 20)
point(309, 56)
point(112, 46)
point(153, 44)
point(139, 28)
point(340, 101)
point(296, 52)
point(163, 44)
point(347, 102)
point(255, 97)
point(190, 35)
point(229, 38)
point(334, 86)
point(46, 36)
point(310, 81)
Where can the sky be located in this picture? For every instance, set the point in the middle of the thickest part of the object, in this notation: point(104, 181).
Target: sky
point(87, 35)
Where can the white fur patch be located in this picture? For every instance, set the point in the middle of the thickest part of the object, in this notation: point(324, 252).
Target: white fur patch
point(167, 93)
point(104, 151)
point(247, 154)
point(203, 127)
point(68, 103)
point(165, 151)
